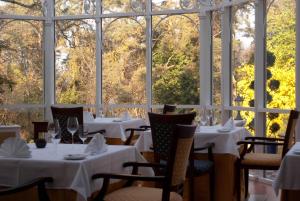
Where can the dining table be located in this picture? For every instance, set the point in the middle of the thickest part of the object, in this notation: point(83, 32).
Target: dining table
point(225, 153)
point(69, 173)
point(114, 127)
point(288, 177)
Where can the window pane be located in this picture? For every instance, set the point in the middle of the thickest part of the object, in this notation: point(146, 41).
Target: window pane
point(243, 54)
point(75, 68)
point(276, 124)
point(124, 64)
point(175, 72)
point(22, 117)
point(133, 112)
point(21, 7)
point(217, 56)
point(181, 4)
point(21, 62)
point(281, 45)
point(117, 6)
point(75, 7)
point(248, 117)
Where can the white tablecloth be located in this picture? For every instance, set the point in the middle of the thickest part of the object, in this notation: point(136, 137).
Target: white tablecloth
point(113, 129)
point(288, 176)
point(68, 174)
point(225, 142)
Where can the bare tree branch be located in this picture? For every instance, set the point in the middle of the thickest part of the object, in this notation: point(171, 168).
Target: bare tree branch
point(21, 4)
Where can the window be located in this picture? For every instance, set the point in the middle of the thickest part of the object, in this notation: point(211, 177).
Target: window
point(21, 7)
point(217, 57)
point(243, 23)
point(75, 62)
point(21, 62)
point(175, 71)
point(124, 61)
point(280, 55)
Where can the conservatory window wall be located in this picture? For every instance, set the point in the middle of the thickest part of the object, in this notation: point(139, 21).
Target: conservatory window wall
point(235, 57)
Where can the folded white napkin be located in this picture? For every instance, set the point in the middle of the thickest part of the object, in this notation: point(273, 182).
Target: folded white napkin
point(87, 116)
point(97, 145)
point(15, 147)
point(239, 123)
point(125, 116)
point(229, 124)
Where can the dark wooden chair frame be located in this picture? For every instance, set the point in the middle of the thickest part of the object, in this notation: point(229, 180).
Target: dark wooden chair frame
point(249, 145)
point(73, 111)
point(183, 131)
point(167, 108)
point(39, 182)
point(186, 119)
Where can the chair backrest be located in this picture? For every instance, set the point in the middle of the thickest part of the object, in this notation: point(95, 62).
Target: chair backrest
point(179, 157)
point(62, 114)
point(169, 109)
point(39, 126)
point(290, 132)
point(162, 127)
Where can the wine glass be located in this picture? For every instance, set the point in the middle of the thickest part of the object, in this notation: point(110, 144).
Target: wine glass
point(203, 118)
point(72, 126)
point(83, 134)
point(101, 113)
point(54, 131)
point(209, 116)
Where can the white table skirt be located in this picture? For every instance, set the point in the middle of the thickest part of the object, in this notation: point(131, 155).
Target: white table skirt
point(224, 142)
point(113, 129)
point(288, 177)
point(68, 174)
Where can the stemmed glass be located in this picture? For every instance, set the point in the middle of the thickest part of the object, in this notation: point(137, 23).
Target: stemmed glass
point(209, 116)
point(83, 135)
point(72, 126)
point(54, 131)
point(203, 118)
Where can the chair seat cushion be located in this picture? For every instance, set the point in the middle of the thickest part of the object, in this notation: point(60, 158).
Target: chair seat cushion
point(202, 166)
point(135, 193)
point(262, 159)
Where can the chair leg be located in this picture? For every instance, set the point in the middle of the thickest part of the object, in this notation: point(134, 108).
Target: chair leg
point(191, 189)
point(238, 181)
point(212, 184)
point(246, 175)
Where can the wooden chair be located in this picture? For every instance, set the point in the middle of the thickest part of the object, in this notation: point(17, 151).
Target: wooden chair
point(134, 132)
point(62, 114)
point(175, 169)
point(39, 183)
point(39, 126)
point(264, 161)
point(161, 130)
point(169, 109)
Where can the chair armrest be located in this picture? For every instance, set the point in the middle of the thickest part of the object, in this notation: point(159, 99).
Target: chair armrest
point(264, 138)
point(131, 135)
point(136, 164)
point(134, 129)
point(102, 131)
point(128, 177)
point(36, 182)
point(245, 142)
point(207, 146)
point(146, 127)
point(107, 176)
